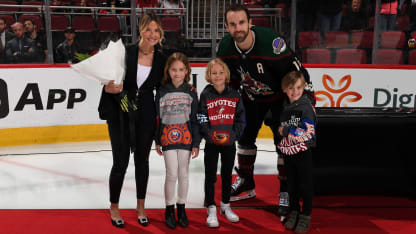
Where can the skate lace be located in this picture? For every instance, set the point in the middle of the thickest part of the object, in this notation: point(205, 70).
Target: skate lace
point(237, 183)
point(284, 199)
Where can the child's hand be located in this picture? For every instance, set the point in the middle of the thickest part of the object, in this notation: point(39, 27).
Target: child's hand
point(281, 130)
point(158, 150)
point(195, 152)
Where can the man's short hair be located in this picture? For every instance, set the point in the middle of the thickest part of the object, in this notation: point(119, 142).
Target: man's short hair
point(237, 7)
point(27, 19)
point(69, 30)
point(3, 19)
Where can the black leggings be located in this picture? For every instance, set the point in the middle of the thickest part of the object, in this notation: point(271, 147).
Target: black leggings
point(121, 156)
point(299, 179)
point(211, 154)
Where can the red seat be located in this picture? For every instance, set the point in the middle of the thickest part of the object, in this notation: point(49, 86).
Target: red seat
point(9, 20)
point(336, 39)
point(309, 39)
point(31, 9)
point(350, 56)
point(59, 22)
point(412, 57)
point(171, 24)
point(35, 18)
point(393, 39)
point(108, 24)
point(9, 9)
point(83, 23)
point(147, 3)
point(362, 39)
point(389, 56)
point(317, 56)
point(261, 21)
point(403, 22)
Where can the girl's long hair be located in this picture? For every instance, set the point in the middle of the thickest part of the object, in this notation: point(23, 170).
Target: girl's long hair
point(177, 56)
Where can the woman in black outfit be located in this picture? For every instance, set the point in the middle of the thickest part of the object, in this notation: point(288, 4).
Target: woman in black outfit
point(134, 130)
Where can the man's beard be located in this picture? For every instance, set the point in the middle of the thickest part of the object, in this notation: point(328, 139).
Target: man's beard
point(242, 35)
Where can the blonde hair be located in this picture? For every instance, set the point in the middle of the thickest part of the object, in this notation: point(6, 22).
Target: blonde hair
point(173, 58)
point(221, 63)
point(291, 78)
point(144, 22)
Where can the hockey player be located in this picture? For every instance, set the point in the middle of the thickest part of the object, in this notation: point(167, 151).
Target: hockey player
point(258, 59)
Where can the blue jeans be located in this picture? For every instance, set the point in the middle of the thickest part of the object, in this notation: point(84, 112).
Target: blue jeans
point(329, 23)
point(387, 22)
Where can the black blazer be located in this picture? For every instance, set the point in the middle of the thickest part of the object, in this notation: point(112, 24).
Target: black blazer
point(109, 108)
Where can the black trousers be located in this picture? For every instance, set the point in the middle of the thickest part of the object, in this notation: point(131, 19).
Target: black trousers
point(212, 153)
point(255, 115)
point(121, 156)
point(299, 179)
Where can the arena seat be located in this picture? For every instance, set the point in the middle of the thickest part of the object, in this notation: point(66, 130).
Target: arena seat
point(316, 56)
point(362, 39)
point(307, 39)
point(393, 39)
point(336, 39)
point(350, 56)
point(389, 56)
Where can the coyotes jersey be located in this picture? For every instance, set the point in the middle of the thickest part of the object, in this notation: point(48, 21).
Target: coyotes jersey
point(260, 70)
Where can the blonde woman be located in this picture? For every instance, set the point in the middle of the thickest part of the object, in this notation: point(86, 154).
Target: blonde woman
point(134, 130)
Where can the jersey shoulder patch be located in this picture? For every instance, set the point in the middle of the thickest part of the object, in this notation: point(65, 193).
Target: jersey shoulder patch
point(269, 42)
point(279, 45)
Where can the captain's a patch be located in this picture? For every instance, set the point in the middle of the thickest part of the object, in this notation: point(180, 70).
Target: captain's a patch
point(279, 45)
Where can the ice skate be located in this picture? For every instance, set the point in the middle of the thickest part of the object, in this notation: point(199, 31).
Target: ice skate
point(283, 209)
point(243, 187)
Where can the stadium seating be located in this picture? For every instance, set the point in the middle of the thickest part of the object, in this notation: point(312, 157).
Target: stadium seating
point(350, 56)
point(389, 56)
point(393, 39)
point(316, 56)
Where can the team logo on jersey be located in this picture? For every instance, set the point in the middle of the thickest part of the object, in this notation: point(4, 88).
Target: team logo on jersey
point(176, 134)
point(279, 45)
point(220, 137)
point(254, 87)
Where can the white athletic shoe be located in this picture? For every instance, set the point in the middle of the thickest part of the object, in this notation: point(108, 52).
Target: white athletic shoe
point(212, 220)
point(228, 213)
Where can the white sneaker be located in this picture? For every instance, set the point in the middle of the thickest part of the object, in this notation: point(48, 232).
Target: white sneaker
point(212, 220)
point(228, 213)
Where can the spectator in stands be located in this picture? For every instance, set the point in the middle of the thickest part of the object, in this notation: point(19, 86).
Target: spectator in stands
point(411, 12)
point(83, 3)
point(306, 15)
point(388, 15)
point(21, 49)
point(39, 38)
point(357, 16)
point(65, 52)
point(329, 15)
point(168, 4)
point(5, 36)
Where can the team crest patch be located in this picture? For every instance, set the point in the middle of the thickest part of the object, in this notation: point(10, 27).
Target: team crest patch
point(176, 134)
point(279, 45)
point(220, 137)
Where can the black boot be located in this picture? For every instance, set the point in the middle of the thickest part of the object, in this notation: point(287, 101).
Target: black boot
point(182, 218)
point(170, 216)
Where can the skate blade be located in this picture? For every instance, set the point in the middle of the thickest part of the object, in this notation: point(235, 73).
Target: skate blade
point(246, 195)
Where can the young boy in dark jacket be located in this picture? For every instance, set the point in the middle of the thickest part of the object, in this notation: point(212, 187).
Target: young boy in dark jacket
point(222, 119)
point(297, 136)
